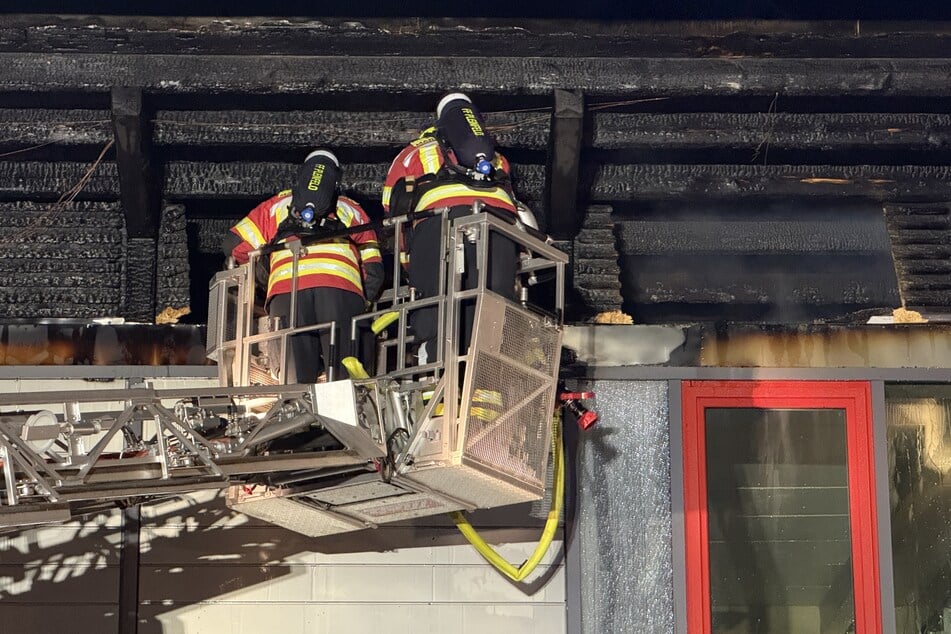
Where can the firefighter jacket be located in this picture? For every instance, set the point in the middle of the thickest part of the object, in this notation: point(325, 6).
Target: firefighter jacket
point(424, 156)
point(351, 263)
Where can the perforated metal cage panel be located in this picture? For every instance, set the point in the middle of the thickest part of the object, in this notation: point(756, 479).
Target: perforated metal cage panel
point(216, 297)
point(499, 444)
point(222, 312)
point(510, 397)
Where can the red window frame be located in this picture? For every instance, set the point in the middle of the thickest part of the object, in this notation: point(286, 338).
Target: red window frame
point(852, 396)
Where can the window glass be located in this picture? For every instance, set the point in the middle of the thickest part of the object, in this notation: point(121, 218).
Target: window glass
point(778, 520)
point(919, 474)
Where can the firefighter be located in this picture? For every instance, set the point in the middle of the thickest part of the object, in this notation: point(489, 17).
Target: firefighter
point(451, 165)
point(335, 278)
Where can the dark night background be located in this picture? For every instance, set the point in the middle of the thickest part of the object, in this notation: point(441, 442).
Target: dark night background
point(581, 9)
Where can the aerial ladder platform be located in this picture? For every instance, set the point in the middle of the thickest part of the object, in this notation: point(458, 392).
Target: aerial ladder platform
point(469, 429)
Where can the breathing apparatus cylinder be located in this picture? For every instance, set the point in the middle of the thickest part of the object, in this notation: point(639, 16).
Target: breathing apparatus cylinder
point(462, 127)
point(315, 190)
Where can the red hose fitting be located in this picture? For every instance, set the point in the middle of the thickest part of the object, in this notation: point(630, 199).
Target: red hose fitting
point(572, 402)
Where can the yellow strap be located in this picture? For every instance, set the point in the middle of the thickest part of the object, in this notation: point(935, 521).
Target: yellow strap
point(383, 322)
point(490, 397)
point(354, 368)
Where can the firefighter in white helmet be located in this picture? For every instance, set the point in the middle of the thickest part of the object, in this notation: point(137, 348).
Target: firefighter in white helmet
point(450, 165)
point(335, 277)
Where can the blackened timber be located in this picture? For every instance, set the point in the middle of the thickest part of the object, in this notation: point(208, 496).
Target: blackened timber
point(666, 182)
point(205, 235)
point(134, 163)
point(757, 133)
point(172, 266)
point(337, 129)
point(921, 247)
point(470, 37)
point(249, 180)
point(783, 227)
point(22, 128)
point(32, 180)
point(37, 180)
point(184, 179)
point(63, 260)
point(634, 77)
point(596, 276)
point(140, 200)
point(790, 281)
point(141, 280)
point(564, 161)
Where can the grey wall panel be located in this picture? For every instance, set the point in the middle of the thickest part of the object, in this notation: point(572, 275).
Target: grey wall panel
point(624, 511)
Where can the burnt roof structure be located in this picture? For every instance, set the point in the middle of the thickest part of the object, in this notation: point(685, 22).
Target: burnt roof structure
point(760, 172)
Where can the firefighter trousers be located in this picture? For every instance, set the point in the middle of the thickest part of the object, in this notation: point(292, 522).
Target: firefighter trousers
point(425, 262)
point(309, 353)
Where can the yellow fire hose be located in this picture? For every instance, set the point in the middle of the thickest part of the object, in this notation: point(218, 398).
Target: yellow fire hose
point(356, 371)
point(551, 524)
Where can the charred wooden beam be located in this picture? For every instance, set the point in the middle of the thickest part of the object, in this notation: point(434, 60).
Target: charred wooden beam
point(23, 128)
point(921, 248)
point(47, 181)
point(470, 37)
point(564, 163)
point(757, 133)
point(635, 77)
point(876, 182)
point(173, 283)
point(596, 276)
point(865, 281)
point(140, 199)
point(62, 260)
point(206, 234)
point(250, 180)
point(337, 129)
point(134, 164)
point(782, 228)
point(36, 180)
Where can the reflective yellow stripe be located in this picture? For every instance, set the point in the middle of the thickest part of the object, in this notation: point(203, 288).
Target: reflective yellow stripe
point(341, 270)
point(250, 233)
point(429, 156)
point(336, 248)
point(345, 213)
point(387, 191)
point(490, 397)
point(404, 257)
point(435, 195)
point(368, 253)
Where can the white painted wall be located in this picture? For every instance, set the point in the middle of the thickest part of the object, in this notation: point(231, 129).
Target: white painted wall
point(207, 570)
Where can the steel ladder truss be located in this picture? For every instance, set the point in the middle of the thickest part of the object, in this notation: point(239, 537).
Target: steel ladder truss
point(470, 429)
